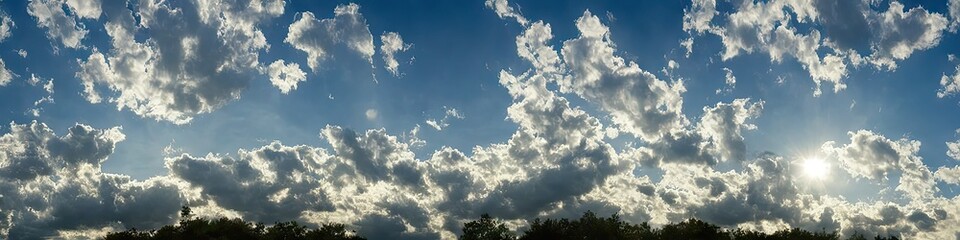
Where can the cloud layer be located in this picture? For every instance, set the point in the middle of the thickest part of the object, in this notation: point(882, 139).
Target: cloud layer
point(568, 108)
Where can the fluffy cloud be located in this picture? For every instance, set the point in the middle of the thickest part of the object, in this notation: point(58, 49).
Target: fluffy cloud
point(5, 74)
point(950, 174)
point(318, 37)
point(392, 43)
point(52, 185)
point(504, 10)
point(836, 34)
point(199, 57)
point(448, 113)
point(901, 33)
point(716, 137)
point(6, 26)
point(949, 85)
point(638, 102)
point(61, 25)
point(285, 76)
point(556, 164)
point(874, 157)
point(953, 7)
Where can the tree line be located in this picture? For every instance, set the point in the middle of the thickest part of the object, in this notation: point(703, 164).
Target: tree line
point(588, 226)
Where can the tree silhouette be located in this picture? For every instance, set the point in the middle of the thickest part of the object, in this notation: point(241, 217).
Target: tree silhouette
point(235, 228)
point(588, 226)
point(486, 229)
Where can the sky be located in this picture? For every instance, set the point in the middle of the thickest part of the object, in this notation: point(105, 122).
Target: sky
point(405, 119)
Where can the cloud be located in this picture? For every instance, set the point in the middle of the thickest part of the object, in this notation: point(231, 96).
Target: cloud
point(392, 43)
point(638, 102)
point(836, 33)
point(504, 10)
point(953, 8)
point(698, 17)
point(53, 183)
point(716, 137)
point(900, 33)
point(61, 25)
point(557, 162)
point(200, 56)
point(5, 74)
point(448, 113)
point(6, 26)
point(285, 76)
point(949, 85)
point(729, 79)
point(873, 156)
point(948, 174)
point(318, 37)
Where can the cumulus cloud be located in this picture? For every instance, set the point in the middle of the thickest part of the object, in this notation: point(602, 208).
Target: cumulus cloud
point(953, 8)
point(199, 56)
point(6, 26)
point(638, 102)
point(949, 85)
point(318, 37)
point(874, 157)
point(555, 164)
point(504, 10)
point(61, 25)
point(729, 79)
point(950, 174)
point(5, 74)
point(716, 137)
point(392, 44)
point(52, 185)
point(835, 33)
point(900, 33)
point(285, 76)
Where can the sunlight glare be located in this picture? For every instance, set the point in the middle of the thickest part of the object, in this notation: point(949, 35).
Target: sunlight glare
point(815, 168)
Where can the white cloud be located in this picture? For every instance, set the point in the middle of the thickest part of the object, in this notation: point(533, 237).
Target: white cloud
point(371, 114)
point(392, 43)
point(953, 8)
point(22, 53)
point(448, 114)
point(504, 10)
point(198, 58)
point(53, 183)
point(47, 87)
point(318, 37)
point(729, 79)
point(900, 33)
point(948, 174)
point(698, 17)
point(6, 26)
point(874, 157)
point(85, 8)
point(5, 74)
point(839, 32)
point(638, 102)
point(285, 76)
point(61, 25)
point(949, 85)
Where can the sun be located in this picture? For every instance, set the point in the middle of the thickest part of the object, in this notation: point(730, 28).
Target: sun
point(815, 168)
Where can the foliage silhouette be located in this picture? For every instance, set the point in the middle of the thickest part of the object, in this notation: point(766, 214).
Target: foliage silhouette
point(588, 226)
point(226, 228)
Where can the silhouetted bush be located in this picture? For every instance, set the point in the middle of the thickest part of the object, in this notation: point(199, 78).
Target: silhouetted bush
point(589, 226)
point(226, 228)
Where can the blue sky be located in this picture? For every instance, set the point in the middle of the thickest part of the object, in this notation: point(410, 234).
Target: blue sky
point(208, 89)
